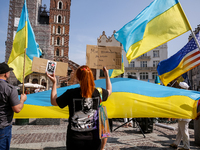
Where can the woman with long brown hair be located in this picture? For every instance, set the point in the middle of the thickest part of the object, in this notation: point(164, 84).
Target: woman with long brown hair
point(83, 103)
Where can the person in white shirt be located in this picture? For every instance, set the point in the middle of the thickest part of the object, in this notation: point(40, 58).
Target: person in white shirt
point(182, 128)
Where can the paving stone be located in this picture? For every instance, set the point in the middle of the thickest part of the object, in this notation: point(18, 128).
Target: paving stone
point(53, 137)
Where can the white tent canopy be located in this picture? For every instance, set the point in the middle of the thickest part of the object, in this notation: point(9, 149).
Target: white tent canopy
point(31, 85)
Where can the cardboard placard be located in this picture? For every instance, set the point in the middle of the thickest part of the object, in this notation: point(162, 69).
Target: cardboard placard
point(40, 65)
point(100, 56)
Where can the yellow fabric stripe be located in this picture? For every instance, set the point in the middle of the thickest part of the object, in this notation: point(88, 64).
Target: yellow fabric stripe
point(18, 64)
point(173, 74)
point(26, 36)
point(160, 30)
point(19, 44)
point(117, 72)
point(33, 111)
point(130, 105)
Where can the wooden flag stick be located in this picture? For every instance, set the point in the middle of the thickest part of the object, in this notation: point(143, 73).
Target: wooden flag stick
point(24, 70)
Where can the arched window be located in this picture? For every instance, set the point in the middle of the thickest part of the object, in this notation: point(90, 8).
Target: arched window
point(59, 5)
point(57, 52)
point(58, 29)
point(43, 83)
point(59, 19)
point(35, 81)
point(58, 41)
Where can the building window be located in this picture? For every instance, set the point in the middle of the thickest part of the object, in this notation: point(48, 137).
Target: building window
point(35, 81)
point(154, 74)
point(57, 52)
point(52, 40)
point(63, 40)
point(58, 41)
point(62, 52)
point(63, 30)
point(59, 19)
point(156, 54)
point(143, 63)
point(64, 19)
point(53, 29)
point(132, 64)
point(144, 76)
point(59, 30)
point(155, 63)
point(144, 55)
point(59, 5)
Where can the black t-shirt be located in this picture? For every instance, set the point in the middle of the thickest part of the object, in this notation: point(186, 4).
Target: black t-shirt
point(83, 113)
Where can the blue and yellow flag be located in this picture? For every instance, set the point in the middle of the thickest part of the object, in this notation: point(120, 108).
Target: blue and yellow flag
point(115, 72)
point(24, 38)
point(157, 24)
point(181, 62)
point(157, 80)
point(130, 98)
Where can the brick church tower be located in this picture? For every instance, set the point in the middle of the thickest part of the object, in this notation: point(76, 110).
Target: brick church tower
point(59, 22)
point(59, 18)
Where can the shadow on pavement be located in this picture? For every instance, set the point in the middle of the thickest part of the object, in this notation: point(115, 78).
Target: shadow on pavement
point(46, 148)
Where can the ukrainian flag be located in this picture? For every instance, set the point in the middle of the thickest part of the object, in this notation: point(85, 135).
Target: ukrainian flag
point(115, 72)
point(129, 99)
point(157, 80)
point(24, 39)
point(157, 24)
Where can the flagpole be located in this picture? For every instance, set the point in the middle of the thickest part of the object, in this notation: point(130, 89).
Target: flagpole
point(195, 39)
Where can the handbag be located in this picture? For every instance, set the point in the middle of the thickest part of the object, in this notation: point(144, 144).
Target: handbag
point(104, 128)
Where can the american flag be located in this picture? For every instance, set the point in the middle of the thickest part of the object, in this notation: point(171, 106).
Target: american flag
point(184, 60)
point(191, 54)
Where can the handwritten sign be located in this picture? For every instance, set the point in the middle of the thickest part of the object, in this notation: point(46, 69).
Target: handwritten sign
point(43, 65)
point(100, 56)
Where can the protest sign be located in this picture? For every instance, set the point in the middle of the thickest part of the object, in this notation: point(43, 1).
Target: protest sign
point(100, 56)
point(43, 65)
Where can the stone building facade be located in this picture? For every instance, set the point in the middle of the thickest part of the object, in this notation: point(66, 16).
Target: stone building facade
point(51, 30)
point(143, 67)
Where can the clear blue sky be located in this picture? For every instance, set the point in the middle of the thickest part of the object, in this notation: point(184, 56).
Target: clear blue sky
point(89, 18)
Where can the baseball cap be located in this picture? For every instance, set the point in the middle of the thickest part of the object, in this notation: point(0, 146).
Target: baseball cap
point(184, 85)
point(4, 68)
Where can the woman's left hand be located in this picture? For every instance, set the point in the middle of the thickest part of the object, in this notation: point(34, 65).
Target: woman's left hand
point(52, 77)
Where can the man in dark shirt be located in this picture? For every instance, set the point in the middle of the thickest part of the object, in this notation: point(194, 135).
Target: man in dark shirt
point(9, 103)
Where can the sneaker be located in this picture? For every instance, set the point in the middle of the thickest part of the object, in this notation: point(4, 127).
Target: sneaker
point(173, 145)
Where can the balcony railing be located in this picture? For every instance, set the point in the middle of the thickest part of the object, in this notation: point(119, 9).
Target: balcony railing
point(143, 58)
point(141, 68)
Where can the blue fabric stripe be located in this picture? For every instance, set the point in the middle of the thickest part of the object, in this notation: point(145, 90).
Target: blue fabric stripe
point(110, 71)
point(133, 31)
point(32, 50)
point(23, 17)
point(118, 85)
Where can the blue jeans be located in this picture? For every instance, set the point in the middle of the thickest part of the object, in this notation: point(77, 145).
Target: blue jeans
point(5, 138)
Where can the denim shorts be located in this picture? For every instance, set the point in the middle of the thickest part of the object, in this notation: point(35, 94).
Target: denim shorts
point(5, 138)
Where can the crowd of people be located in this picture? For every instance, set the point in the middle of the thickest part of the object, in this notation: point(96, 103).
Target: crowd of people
point(83, 103)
